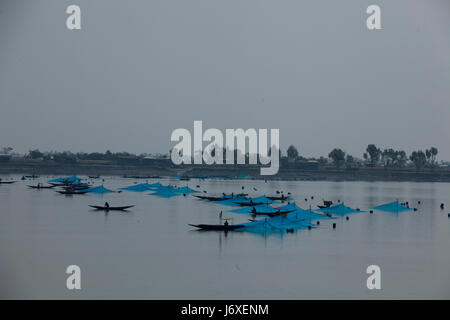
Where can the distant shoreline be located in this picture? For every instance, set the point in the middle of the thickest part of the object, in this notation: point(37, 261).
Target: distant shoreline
point(320, 174)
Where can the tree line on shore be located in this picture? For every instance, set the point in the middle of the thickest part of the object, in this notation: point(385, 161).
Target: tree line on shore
point(372, 157)
point(375, 157)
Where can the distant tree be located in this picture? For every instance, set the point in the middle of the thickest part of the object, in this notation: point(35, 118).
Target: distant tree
point(428, 155)
point(349, 159)
point(323, 160)
point(400, 159)
point(394, 158)
point(338, 156)
point(292, 152)
point(6, 150)
point(434, 152)
point(374, 153)
point(35, 154)
point(418, 158)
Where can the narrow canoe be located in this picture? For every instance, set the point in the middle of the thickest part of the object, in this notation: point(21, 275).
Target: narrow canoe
point(41, 187)
point(248, 204)
point(111, 208)
point(217, 227)
point(271, 214)
point(72, 192)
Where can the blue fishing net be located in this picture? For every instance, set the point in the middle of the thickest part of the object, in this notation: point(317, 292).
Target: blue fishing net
point(300, 213)
point(237, 200)
point(66, 179)
point(394, 206)
point(164, 194)
point(263, 208)
point(171, 191)
point(185, 190)
point(142, 187)
point(339, 209)
point(278, 224)
point(232, 201)
point(99, 190)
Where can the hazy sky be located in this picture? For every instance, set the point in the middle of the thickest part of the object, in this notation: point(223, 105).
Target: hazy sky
point(139, 69)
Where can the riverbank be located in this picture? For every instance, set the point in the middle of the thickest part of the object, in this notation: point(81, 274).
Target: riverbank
point(315, 174)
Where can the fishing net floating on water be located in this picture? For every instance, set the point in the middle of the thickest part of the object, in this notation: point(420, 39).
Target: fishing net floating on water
point(99, 190)
point(394, 206)
point(278, 224)
point(300, 213)
point(66, 179)
point(339, 209)
point(170, 191)
point(262, 208)
point(142, 187)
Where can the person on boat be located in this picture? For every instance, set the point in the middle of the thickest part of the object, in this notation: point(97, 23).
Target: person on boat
point(253, 210)
point(225, 223)
point(106, 205)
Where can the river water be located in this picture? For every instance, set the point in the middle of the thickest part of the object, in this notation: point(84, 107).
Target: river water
point(151, 252)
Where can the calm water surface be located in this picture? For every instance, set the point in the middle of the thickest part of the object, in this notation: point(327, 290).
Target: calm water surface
point(151, 252)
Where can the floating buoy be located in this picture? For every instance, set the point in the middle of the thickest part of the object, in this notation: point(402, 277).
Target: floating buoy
point(415, 209)
point(309, 227)
point(312, 197)
point(442, 206)
point(418, 202)
point(306, 199)
point(449, 215)
point(371, 211)
point(318, 222)
point(334, 225)
point(346, 218)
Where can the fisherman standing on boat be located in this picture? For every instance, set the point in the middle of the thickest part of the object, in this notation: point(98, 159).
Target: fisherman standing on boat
point(106, 205)
point(225, 223)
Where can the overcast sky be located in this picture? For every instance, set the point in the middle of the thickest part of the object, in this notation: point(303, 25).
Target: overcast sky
point(139, 69)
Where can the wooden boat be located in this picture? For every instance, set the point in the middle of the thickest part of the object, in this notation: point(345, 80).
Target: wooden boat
point(67, 192)
point(76, 187)
point(217, 227)
point(7, 182)
point(41, 187)
point(326, 204)
point(111, 208)
point(59, 184)
point(248, 204)
point(94, 177)
point(282, 198)
point(211, 198)
point(271, 214)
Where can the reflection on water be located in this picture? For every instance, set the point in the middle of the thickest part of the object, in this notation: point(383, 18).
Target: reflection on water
point(150, 252)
